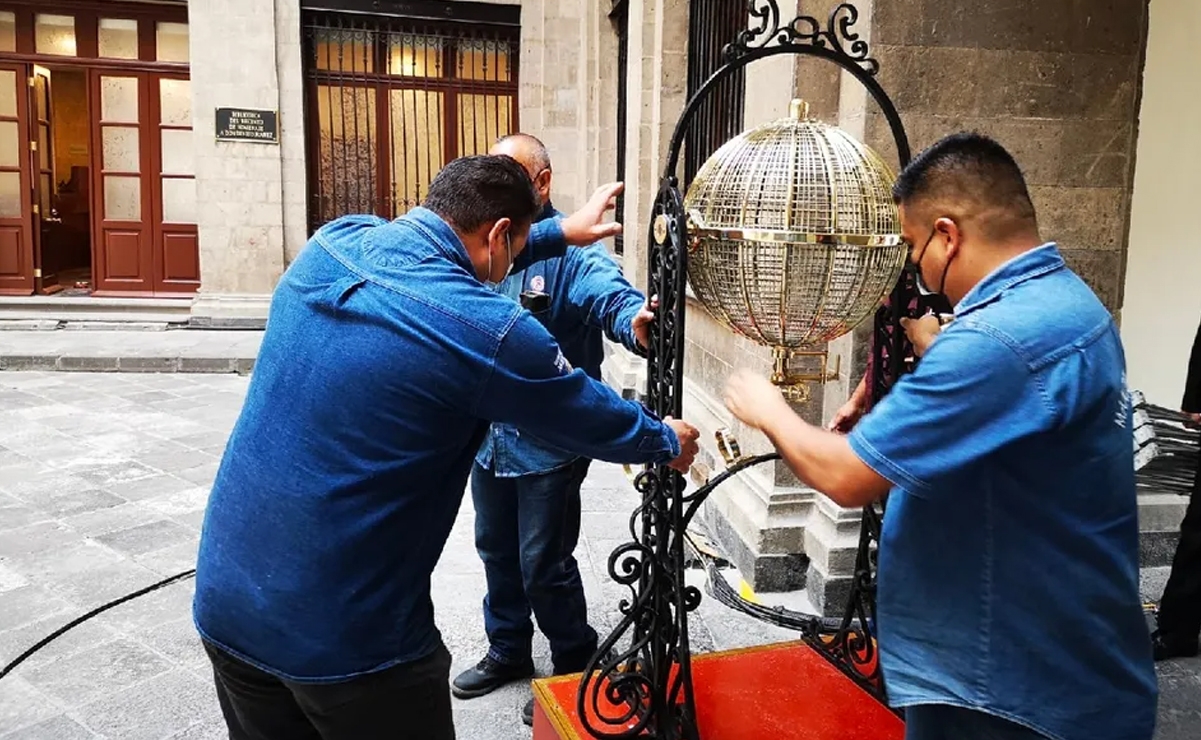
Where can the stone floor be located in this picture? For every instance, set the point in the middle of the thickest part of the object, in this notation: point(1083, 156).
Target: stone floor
point(114, 502)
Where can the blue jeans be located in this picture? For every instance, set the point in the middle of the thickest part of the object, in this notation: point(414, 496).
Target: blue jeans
point(943, 722)
point(526, 531)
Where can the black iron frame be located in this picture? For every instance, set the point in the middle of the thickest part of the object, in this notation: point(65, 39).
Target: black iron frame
point(644, 687)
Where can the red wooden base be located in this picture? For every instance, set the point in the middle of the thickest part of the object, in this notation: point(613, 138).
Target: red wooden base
point(784, 691)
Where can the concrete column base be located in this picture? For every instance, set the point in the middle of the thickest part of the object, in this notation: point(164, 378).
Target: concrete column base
point(230, 311)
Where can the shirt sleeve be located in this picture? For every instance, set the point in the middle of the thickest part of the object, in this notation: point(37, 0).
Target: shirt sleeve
point(969, 396)
point(603, 296)
point(533, 387)
point(545, 241)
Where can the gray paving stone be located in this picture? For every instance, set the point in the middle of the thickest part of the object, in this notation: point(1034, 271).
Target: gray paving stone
point(202, 441)
point(201, 475)
point(162, 708)
point(77, 502)
point(145, 538)
point(28, 604)
point(15, 515)
point(102, 585)
point(23, 705)
point(179, 642)
point(61, 727)
point(135, 618)
point(35, 538)
point(179, 503)
point(111, 473)
point(178, 461)
point(81, 558)
point(150, 487)
point(86, 676)
point(82, 637)
point(170, 561)
point(103, 521)
point(211, 730)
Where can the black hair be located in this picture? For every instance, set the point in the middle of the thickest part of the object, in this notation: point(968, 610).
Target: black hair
point(473, 191)
point(539, 155)
point(975, 173)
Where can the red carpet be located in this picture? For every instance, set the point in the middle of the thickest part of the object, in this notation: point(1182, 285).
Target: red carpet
point(782, 692)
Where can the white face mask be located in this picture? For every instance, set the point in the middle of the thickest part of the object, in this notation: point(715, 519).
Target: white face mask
point(509, 252)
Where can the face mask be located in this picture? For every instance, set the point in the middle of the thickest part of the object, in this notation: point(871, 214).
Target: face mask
point(916, 269)
point(508, 251)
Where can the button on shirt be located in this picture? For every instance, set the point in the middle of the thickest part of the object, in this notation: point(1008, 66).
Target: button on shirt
point(1008, 565)
point(589, 299)
point(383, 361)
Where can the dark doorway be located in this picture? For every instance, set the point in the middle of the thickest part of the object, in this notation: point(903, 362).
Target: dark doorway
point(66, 231)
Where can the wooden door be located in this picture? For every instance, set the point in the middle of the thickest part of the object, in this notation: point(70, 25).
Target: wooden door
point(16, 240)
point(45, 262)
point(176, 245)
point(122, 207)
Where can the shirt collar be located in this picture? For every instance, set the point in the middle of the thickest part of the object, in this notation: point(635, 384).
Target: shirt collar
point(548, 211)
point(1026, 266)
point(440, 234)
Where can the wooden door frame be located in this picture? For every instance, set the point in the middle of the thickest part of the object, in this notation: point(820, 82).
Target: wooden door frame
point(160, 229)
point(24, 163)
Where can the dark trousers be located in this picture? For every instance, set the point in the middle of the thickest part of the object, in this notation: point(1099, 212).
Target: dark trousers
point(942, 722)
point(526, 531)
point(406, 702)
point(1180, 608)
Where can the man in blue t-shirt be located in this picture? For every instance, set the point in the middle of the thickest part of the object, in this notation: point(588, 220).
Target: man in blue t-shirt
point(1008, 566)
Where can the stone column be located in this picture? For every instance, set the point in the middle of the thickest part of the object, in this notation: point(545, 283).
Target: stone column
point(240, 186)
point(657, 89)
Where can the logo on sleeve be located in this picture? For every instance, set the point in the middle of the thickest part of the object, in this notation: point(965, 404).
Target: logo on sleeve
point(562, 364)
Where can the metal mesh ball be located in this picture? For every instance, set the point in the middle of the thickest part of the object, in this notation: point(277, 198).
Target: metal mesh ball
point(793, 235)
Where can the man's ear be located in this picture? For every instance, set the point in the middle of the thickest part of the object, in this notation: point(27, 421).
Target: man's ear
point(496, 235)
point(950, 230)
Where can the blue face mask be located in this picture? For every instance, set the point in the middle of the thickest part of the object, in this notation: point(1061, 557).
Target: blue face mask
point(509, 251)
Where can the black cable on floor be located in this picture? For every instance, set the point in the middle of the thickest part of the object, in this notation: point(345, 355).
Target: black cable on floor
point(75, 623)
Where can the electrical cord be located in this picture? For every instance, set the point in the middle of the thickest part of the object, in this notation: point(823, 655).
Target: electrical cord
point(98, 610)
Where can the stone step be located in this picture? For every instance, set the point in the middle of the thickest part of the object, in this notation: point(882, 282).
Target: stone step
point(163, 350)
point(41, 313)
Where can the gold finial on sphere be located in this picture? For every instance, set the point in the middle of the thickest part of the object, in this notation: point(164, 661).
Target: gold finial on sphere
point(798, 110)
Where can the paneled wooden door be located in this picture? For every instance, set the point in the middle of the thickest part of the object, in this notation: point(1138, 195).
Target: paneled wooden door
point(122, 242)
point(144, 227)
point(16, 231)
point(176, 242)
point(45, 270)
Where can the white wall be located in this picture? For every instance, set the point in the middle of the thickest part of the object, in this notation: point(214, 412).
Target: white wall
point(1163, 274)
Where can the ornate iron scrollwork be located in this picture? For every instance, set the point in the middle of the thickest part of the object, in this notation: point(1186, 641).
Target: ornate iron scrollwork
point(639, 684)
point(804, 30)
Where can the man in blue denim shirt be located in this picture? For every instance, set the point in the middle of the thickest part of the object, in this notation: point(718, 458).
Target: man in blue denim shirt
point(384, 359)
point(526, 491)
point(1008, 568)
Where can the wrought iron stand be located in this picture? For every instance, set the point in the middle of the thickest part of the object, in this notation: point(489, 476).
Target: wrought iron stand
point(643, 667)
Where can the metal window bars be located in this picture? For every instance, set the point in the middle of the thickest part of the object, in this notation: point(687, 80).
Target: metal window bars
point(390, 101)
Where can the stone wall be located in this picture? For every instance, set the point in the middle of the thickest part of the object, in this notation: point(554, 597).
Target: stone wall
point(1056, 83)
point(240, 187)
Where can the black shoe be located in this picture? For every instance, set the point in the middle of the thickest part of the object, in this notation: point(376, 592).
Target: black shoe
point(487, 676)
point(1166, 645)
point(527, 712)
